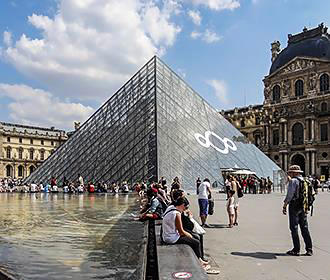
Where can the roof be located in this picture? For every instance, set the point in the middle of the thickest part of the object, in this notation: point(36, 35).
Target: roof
point(313, 43)
point(31, 129)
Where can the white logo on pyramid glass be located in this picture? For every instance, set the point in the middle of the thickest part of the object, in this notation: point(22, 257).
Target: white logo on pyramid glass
point(228, 144)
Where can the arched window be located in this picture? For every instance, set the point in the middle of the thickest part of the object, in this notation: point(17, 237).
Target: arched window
point(276, 93)
point(9, 171)
point(32, 168)
point(242, 123)
point(31, 154)
point(42, 155)
point(324, 82)
point(20, 171)
point(299, 88)
point(297, 134)
point(8, 152)
point(20, 153)
point(324, 107)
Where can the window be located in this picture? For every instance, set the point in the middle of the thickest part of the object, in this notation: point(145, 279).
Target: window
point(257, 120)
point(8, 139)
point(324, 132)
point(20, 171)
point(276, 137)
point(242, 123)
point(297, 134)
point(21, 140)
point(52, 143)
point(31, 141)
point(257, 140)
point(20, 153)
point(299, 88)
point(324, 107)
point(32, 168)
point(9, 170)
point(324, 82)
point(8, 152)
point(42, 142)
point(42, 155)
point(276, 93)
point(31, 154)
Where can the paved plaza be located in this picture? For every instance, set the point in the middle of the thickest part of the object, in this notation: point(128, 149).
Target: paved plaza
point(255, 250)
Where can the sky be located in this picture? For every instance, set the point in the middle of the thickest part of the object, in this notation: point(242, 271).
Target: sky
point(61, 59)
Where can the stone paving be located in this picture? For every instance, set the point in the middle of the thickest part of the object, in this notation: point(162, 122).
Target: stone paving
point(255, 250)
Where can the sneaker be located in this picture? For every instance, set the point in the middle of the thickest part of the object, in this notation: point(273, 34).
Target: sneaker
point(292, 253)
point(309, 253)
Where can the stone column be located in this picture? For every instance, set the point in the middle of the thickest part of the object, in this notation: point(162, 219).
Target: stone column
point(307, 164)
point(286, 161)
point(313, 162)
point(285, 132)
point(313, 130)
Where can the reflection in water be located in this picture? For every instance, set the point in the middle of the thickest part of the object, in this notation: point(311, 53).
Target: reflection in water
point(57, 236)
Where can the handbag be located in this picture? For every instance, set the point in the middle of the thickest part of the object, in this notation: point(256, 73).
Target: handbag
point(239, 192)
point(197, 228)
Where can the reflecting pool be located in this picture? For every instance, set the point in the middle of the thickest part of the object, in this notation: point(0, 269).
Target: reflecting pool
point(61, 236)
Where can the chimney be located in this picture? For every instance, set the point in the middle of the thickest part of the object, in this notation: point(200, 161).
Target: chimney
point(276, 48)
point(76, 125)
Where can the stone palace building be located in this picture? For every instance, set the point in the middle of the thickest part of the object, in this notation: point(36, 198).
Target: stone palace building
point(292, 125)
point(23, 148)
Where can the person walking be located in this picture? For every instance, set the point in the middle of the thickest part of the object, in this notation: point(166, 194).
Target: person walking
point(234, 186)
point(204, 193)
point(297, 213)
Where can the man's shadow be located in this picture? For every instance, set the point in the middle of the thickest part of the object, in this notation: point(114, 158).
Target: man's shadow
point(259, 255)
point(219, 226)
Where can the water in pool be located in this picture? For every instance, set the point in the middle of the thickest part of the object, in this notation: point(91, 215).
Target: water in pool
point(60, 236)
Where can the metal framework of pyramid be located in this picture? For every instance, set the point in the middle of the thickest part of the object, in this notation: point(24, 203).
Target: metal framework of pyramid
point(155, 125)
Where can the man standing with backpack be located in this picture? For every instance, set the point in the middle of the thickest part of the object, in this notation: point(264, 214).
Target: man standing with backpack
point(297, 198)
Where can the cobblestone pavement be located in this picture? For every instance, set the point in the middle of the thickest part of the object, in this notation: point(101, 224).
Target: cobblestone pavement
point(255, 250)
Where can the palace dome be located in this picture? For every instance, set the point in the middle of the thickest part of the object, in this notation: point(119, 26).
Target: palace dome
point(313, 43)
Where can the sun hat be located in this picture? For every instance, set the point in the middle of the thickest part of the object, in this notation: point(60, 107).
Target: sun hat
point(295, 168)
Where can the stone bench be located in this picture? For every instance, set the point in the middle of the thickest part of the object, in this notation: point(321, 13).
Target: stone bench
point(177, 259)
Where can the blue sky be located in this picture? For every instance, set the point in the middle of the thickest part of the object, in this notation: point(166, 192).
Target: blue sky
point(61, 59)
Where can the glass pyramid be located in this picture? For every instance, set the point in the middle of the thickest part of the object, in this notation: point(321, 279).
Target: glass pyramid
point(154, 125)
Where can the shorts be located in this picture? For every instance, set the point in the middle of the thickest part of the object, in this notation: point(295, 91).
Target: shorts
point(203, 207)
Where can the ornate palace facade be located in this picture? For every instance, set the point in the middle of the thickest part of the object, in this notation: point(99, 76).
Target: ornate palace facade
point(24, 148)
point(292, 126)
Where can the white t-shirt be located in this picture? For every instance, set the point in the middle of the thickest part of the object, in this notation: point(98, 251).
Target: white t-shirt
point(203, 194)
point(33, 187)
point(170, 233)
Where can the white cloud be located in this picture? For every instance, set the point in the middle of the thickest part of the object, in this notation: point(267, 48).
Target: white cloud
point(91, 47)
point(220, 88)
point(195, 34)
point(7, 38)
point(195, 16)
point(218, 5)
point(38, 107)
point(208, 36)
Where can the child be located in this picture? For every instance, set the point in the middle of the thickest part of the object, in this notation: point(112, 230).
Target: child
point(230, 208)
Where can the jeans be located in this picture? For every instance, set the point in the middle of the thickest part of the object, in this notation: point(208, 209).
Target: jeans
point(298, 217)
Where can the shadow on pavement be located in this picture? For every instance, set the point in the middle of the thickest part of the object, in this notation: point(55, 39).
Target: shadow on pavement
point(219, 226)
point(259, 255)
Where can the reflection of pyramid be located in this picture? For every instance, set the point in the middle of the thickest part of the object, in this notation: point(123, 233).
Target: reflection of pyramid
point(155, 125)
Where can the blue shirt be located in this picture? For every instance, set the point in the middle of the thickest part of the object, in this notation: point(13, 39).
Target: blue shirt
point(293, 189)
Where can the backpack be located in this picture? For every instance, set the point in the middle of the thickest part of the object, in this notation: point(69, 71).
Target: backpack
point(306, 196)
point(161, 227)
